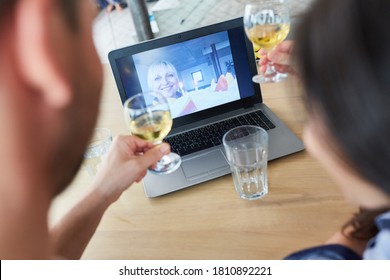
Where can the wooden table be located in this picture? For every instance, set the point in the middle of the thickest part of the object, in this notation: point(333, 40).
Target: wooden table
point(208, 221)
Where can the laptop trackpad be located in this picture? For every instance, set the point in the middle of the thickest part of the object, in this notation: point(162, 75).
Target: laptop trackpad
point(204, 164)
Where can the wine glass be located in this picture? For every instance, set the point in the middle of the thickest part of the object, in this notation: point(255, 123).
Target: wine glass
point(148, 116)
point(267, 23)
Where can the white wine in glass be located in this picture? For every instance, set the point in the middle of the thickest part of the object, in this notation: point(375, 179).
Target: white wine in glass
point(267, 23)
point(149, 118)
point(153, 126)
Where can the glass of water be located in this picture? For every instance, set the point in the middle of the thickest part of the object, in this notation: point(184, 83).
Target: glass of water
point(246, 149)
point(98, 146)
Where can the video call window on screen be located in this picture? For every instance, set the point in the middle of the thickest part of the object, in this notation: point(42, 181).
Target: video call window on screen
point(193, 75)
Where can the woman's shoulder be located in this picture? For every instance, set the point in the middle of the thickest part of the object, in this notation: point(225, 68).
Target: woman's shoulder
point(325, 252)
point(379, 246)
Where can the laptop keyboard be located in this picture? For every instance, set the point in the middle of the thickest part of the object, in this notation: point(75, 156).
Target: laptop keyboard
point(211, 135)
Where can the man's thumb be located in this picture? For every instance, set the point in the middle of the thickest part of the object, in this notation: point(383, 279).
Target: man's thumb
point(153, 155)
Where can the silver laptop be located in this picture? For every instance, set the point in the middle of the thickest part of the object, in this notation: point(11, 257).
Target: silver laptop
point(214, 66)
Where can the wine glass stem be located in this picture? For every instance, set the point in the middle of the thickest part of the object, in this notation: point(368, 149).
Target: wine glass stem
point(270, 69)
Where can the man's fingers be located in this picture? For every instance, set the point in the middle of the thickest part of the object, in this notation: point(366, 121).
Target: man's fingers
point(153, 155)
point(140, 144)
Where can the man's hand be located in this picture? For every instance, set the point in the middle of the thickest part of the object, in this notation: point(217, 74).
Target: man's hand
point(126, 162)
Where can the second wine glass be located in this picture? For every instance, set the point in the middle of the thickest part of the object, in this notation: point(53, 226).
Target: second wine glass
point(267, 23)
point(148, 116)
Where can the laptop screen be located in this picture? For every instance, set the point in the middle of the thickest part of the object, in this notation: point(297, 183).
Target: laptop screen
point(194, 72)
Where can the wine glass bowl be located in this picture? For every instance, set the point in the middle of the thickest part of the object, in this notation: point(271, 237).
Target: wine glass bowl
point(267, 23)
point(148, 117)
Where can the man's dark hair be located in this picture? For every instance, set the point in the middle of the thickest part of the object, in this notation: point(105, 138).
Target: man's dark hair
point(4, 5)
point(69, 8)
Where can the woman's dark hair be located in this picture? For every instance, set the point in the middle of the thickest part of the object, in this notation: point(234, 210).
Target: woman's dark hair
point(363, 224)
point(343, 51)
point(343, 55)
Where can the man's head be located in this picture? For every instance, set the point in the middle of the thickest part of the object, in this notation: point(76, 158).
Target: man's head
point(50, 83)
point(69, 8)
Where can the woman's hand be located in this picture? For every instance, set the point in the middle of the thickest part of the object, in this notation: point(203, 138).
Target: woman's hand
point(280, 57)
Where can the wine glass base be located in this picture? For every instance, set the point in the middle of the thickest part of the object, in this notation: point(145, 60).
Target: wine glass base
point(273, 78)
point(166, 165)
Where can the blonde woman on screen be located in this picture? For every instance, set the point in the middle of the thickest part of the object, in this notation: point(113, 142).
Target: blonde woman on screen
point(163, 79)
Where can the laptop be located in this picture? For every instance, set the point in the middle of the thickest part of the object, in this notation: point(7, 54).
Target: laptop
point(214, 65)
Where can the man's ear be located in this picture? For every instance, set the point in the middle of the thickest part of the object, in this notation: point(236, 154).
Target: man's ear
point(38, 26)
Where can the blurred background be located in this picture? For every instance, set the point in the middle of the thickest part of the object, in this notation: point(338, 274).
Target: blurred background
point(126, 22)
